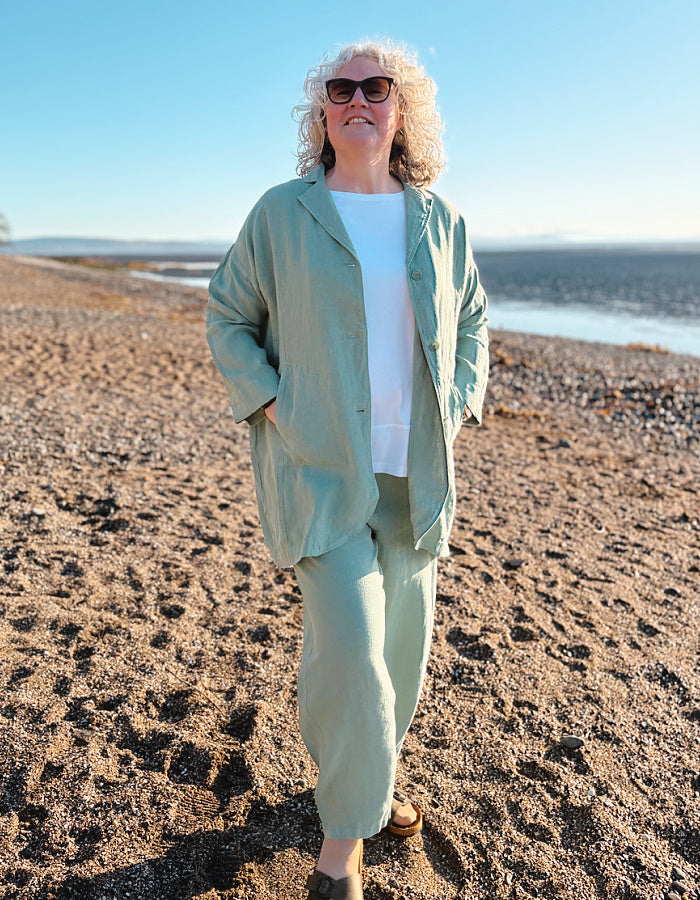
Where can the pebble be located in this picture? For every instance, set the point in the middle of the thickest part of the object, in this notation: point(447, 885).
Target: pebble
point(679, 887)
point(677, 874)
point(571, 742)
point(672, 895)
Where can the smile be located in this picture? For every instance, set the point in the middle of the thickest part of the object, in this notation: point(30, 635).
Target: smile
point(358, 120)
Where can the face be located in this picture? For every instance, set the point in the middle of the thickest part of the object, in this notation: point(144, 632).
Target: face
point(358, 129)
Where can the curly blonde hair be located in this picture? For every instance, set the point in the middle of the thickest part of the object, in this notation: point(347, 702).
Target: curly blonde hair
point(416, 155)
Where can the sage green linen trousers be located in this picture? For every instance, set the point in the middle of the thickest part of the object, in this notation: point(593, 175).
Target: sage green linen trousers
point(368, 619)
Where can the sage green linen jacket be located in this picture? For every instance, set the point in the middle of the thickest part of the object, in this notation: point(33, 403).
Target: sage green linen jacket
point(286, 319)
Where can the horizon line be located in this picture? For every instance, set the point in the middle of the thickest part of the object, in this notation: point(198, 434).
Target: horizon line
point(544, 240)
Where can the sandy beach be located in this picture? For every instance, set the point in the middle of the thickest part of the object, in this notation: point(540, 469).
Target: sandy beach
point(148, 737)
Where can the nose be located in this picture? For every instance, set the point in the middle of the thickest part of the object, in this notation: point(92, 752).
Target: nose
point(355, 100)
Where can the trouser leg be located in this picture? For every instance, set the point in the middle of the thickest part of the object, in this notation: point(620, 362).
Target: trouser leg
point(409, 587)
point(368, 612)
point(346, 699)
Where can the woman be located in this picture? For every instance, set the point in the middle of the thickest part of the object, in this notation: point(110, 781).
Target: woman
point(350, 328)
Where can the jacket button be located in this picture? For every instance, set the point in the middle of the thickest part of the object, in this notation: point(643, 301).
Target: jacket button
point(416, 274)
point(435, 345)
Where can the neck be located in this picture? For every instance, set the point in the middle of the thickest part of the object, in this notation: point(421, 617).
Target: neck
point(362, 178)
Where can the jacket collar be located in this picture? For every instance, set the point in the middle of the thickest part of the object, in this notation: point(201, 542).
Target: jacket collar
point(317, 199)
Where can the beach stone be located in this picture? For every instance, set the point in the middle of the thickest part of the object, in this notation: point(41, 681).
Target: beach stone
point(679, 887)
point(571, 742)
point(677, 874)
point(672, 895)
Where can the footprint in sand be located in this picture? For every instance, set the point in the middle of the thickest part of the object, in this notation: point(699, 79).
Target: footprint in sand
point(469, 645)
point(24, 624)
point(177, 706)
point(241, 723)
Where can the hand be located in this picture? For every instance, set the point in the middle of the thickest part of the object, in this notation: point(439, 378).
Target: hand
point(270, 411)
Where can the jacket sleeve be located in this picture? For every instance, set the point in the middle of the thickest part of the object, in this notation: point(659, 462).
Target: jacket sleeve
point(472, 359)
point(237, 313)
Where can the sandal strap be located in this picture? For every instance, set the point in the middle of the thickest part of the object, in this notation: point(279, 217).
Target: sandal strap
point(401, 800)
point(323, 887)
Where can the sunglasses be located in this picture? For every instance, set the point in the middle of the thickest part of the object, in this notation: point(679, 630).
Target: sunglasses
point(375, 89)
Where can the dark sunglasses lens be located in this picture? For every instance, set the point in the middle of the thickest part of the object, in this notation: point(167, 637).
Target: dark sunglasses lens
point(376, 89)
point(340, 90)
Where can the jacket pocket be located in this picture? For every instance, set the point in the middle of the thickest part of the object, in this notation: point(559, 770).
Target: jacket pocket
point(307, 419)
point(256, 417)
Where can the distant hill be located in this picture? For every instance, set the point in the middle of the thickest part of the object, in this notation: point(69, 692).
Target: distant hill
point(69, 246)
point(64, 246)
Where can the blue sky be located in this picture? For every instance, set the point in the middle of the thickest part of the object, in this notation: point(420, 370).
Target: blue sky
point(168, 120)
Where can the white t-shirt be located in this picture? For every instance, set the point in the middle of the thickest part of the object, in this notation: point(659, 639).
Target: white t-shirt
point(376, 224)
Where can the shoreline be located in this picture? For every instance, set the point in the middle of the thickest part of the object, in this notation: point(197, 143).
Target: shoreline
point(149, 742)
point(536, 315)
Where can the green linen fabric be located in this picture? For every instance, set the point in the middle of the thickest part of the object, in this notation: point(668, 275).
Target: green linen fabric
point(286, 319)
point(368, 621)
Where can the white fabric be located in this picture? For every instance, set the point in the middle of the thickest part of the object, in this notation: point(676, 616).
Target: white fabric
point(376, 224)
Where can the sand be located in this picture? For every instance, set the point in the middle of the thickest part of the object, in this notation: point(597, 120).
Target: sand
point(148, 737)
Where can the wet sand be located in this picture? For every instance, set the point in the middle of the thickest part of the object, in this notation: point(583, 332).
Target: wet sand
point(148, 737)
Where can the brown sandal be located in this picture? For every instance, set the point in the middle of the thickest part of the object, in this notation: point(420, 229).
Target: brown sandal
point(323, 887)
point(404, 830)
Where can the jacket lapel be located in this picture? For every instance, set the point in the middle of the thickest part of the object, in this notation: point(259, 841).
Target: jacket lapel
point(418, 206)
point(317, 199)
point(417, 214)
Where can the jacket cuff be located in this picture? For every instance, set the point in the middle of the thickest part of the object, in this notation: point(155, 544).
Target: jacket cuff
point(471, 414)
point(259, 413)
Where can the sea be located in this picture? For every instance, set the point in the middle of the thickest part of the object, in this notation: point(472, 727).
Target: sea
point(631, 295)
